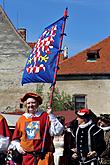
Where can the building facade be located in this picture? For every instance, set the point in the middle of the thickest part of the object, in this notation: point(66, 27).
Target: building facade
point(13, 55)
point(86, 77)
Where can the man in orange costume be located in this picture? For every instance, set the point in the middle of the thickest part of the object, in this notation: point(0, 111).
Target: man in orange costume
point(34, 131)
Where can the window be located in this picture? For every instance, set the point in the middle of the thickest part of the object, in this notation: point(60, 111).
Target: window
point(93, 55)
point(21, 105)
point(79, 101)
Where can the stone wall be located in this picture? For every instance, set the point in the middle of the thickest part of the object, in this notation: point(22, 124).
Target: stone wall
point(13, 55)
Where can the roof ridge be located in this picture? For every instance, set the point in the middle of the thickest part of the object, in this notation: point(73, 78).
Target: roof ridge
point(12, 25)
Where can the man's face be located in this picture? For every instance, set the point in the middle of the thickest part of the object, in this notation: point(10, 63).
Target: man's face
point(104, 123)
point(80, 120)
point(32, 105)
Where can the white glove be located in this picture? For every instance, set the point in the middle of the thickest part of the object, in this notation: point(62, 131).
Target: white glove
point(56, 128)
point(16, 145)
point(20, 149)
point(12, 145)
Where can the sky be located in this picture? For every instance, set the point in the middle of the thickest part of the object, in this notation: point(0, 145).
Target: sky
point(87, 24)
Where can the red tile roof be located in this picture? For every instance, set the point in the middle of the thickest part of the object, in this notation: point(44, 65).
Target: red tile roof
point(78, 64)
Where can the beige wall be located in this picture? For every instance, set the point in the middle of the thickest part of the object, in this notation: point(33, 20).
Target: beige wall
point(98, 92)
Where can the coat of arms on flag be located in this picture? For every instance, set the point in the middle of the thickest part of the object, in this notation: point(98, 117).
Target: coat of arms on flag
point(41, 63)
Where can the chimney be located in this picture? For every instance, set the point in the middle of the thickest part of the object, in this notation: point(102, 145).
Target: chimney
point(65, 52)
point(22, 33)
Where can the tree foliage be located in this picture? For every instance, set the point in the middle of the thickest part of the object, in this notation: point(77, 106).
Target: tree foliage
point(39, 89)
point(60, 101)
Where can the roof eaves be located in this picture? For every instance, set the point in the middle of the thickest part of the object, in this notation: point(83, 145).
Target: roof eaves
point(83, 76)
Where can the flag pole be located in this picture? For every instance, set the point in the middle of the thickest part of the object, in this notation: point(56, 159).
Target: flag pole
point(58, 57)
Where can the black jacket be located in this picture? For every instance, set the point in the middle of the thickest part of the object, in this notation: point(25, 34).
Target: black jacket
point(89, 138)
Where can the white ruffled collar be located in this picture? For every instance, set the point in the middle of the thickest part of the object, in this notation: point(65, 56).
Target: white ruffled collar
point(85, 125)
point(29, 115)
point(105, 128)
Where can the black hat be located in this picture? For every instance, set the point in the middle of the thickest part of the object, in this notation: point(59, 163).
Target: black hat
point(105, 117)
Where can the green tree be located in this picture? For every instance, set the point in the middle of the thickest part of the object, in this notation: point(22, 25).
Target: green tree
point(61, 101)
point(39, 89)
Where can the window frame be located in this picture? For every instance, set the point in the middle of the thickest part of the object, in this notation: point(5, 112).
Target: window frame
point(84, 103)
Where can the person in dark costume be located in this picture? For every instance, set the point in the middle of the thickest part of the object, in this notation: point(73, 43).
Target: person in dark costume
point(89, 139)
point(105, 125)
point(69, 142)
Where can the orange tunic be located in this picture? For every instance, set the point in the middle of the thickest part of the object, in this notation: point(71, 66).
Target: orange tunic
point(30, 132)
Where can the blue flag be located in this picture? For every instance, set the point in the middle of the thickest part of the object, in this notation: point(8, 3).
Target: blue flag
point(41, 63)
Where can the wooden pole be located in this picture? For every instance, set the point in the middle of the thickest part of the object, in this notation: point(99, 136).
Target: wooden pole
point(58, 57)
